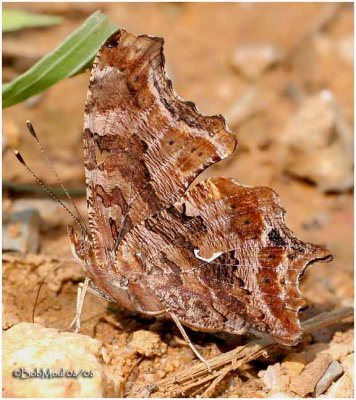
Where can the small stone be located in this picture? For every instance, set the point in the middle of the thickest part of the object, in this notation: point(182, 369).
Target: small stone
point(148, 343)
point(305, 383)
point(253, 60)
point(34, 101)
point(317, 144)
point(272, 376)
point(11, 135)
point(6, 205)
point(31, 347)
point(344, 387)
point(21, 231)
point(346, 49)
point(245, 107)
point(339, 351)
point(323, 335)
point(333, 372)
point(274, 380)
point(52, 213)
point(294, 364)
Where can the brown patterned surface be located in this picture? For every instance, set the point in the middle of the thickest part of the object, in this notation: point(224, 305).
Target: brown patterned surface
point(219, 255)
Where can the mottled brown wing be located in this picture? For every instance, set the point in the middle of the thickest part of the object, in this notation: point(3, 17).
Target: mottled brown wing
point(143, 145)
point(252, 282)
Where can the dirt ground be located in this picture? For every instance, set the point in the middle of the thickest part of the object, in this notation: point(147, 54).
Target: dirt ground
point(311, 63)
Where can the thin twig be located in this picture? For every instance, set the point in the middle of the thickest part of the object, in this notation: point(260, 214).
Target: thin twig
point(23, 187)
point(210, 390)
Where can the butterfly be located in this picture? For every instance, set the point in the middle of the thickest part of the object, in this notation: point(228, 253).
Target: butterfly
point(216, 257)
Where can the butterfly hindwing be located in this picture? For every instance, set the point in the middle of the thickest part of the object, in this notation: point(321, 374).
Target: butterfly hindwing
point(222, 259)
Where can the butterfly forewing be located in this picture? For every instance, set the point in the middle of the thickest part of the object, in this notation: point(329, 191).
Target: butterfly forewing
point(143, 145)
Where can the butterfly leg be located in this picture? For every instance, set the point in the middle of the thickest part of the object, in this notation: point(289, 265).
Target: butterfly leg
point(82, 289)
point(186, 337)
point(182, 331)
point(154, 313)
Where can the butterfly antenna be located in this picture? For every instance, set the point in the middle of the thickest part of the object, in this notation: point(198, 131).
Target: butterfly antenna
point(32, 131)
point(38, 180)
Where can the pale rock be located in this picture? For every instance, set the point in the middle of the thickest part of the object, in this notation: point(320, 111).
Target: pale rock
point(294, 364)
point(333, 372)
point(11, 135)
point(32, 346)
point(326, 46)
point(6, 205)
point(52, 213)
point(34, 101)
point(21, 231)
point(342, 345)
point(344, 387)
point(253, 60)
point(339, 351)
point(346, 49)
point(250, 104)
point(317, 144)
point(273, 378)
point(147, 343)
point(336, 350)
point(305, 383)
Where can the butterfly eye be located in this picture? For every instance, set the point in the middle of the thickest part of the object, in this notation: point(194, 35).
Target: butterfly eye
point(193, 150)
point(200, 154)
point(232, 206)
point(247, 222)
point(111, 45)
point(171, 142)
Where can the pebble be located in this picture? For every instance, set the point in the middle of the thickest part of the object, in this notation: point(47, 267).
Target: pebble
point(32, 346)
point(148, 343)
point(346, 49)
point(11, 135)
point(294, 364)
point(333, 372)
point(21, 231)
point(52, 214)
point(323, 335)
point(274, 379)
point(305, 383)
point(245, 107)
point(344, 387)
point(318, 144)
point(328, 47)
point(253, 60)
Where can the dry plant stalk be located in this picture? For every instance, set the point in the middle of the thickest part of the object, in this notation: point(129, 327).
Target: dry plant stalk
point(197, 376)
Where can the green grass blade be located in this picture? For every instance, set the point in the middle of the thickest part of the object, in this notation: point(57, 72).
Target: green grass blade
point(14, 20)
point(68, 59)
